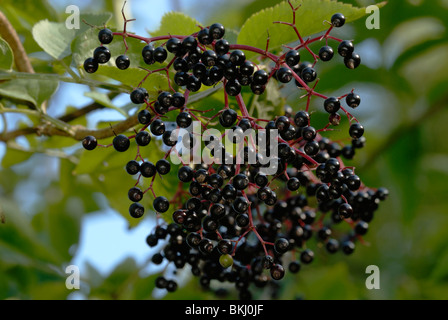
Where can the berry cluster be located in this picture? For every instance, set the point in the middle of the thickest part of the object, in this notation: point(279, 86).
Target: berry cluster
point(232, 222)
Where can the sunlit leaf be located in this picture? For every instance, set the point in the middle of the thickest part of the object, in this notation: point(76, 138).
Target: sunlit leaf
point(176, 23)
point(309, 20)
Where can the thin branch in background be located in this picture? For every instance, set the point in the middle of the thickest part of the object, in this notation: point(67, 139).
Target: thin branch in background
point(80, 132)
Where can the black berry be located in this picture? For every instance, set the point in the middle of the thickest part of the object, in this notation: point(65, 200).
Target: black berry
point(144, 117)
point(91, 65)
point(136, 210)
point(356, 130)
point(292, 58)
point(161, 204)
point(326, 53)
point(105, 36)
point(353, 100)
point(101, 55)
point(163, 167)
point(121, 143)
point(89, 143)
point(217, 31)
point(338, 20)
point(135, 194)
point(143, 138)
point(139, 95)
point(122, 62)
point(332, 105)
point(132, 167)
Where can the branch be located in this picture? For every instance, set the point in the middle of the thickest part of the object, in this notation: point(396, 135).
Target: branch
point(49, 76)
point(38, 130)
point(79, 132)
point(10, 35)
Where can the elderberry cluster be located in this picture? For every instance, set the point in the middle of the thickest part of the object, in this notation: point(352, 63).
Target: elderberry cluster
point(230, 221)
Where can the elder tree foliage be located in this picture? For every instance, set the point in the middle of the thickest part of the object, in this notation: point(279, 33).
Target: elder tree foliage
point(258, 228)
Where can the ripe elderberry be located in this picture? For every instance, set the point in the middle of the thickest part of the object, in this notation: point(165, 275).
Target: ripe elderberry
point(161, 204)
point(338, 20)
point(121, 143)
point(89, 143)
point(326, 53)
point(101, 55)
point(91, 65)
point(122, 62)
point(217, 31)
point(105, 36)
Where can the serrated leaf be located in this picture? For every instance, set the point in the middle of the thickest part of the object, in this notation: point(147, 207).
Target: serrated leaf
point(7, 59)
point(309, 20)
point(54, 38)
point(176, 23)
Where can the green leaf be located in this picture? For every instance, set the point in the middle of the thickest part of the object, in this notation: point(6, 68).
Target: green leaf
point(176, 23)
point(14, 156)
point(62, 223)
point(29, 92)
point(131, 77)
point(56, 39)
point(309, 20)
point(7, 59)
point(119, 283)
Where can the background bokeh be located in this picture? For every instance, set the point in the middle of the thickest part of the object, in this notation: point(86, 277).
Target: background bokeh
point(53, 218)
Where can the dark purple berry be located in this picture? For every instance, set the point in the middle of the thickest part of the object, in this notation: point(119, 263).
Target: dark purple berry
point(121, 143)
point(89, 143)
point(105, 36)
point(91, 65)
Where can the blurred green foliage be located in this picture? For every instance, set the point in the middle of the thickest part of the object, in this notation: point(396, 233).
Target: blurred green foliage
point(403, 83)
